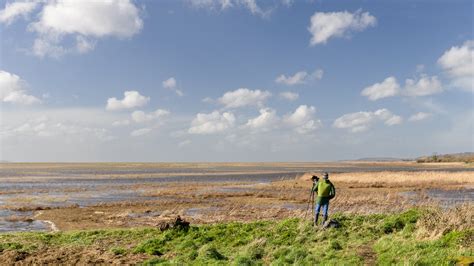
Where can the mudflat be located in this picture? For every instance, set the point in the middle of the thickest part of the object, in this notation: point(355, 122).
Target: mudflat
point(65, 196)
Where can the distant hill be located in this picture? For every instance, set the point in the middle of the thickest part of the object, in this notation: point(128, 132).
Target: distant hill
point(467, 157)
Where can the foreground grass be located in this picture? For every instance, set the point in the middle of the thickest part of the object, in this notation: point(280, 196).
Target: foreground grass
point(381, 239)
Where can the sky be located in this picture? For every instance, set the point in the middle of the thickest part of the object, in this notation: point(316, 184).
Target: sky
point(234, 80)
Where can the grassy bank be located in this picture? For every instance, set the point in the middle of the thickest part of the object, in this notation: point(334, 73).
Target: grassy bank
point(414, 237)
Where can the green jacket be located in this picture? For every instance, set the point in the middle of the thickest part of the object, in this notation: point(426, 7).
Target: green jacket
point(325, 191)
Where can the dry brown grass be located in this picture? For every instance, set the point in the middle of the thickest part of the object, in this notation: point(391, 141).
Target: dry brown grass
point(464, 177)
point(436, 222)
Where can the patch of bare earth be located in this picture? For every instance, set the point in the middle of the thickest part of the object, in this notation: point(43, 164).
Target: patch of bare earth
point(69, 256)
point(368, 254)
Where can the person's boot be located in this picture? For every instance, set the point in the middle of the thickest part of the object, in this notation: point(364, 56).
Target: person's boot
point(325, 219)
point(316, 220)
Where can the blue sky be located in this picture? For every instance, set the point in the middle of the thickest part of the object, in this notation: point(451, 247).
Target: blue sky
point(235, 80)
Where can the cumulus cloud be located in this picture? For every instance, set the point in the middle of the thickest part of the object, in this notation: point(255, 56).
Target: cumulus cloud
point(361, 121)
point(422, 86)
point(290, 96)
point(211, 123)
point(387, 88)
point(171, 84)
point(130, 100)
point(85, 21)
point(244, 97)
point(299, 77)
point(458, 64)
point(141, 117)
point(140, 132)
point(419, 116)
point(326, 25)
point(16, 9)
point(13, 90)
point(265, 121)
point(302, 119)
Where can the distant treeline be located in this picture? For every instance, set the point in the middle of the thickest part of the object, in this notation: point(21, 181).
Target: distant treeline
point(467, 157)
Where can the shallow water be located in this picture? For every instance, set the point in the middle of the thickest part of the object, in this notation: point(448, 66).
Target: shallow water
point(446, 198)
point(72, 171)
point(62, 199)
point(21, 223)
point(201, 211)
point(92, 183)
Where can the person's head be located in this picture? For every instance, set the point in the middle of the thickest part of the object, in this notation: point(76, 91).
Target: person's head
point(326, 175)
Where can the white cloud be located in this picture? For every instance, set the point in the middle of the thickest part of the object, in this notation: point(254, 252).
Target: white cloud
point(244, 97)
point(141, 117)
point(419, 116)
point(421, 86)
point(265, 121)
point(287, 3)
point(140, 132)
point(317, 74)
point(424, 86)
point(290, 96)
point(51, 126)
point(338, 24)
point(458, 64)
point(13, 89)
point(211, 123)
point(420, 68)
point(394, 120)
point(16, 9)
point(207, 100)
point(302, 119)
point(130, 100)
point(212, 4)
point(184, 143)
point(361, 121)
point(387, 117)
point(43, 47)
point(120, 123)
point(299, 77)
point(250, 5)
point(387, 88)
point(84, 20)
point(171, 84)
point(84, 45)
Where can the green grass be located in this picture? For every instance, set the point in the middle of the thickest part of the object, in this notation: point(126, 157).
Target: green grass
point(385, 239)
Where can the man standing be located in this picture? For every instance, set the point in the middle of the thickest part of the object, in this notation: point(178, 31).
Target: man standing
point(325, 191)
